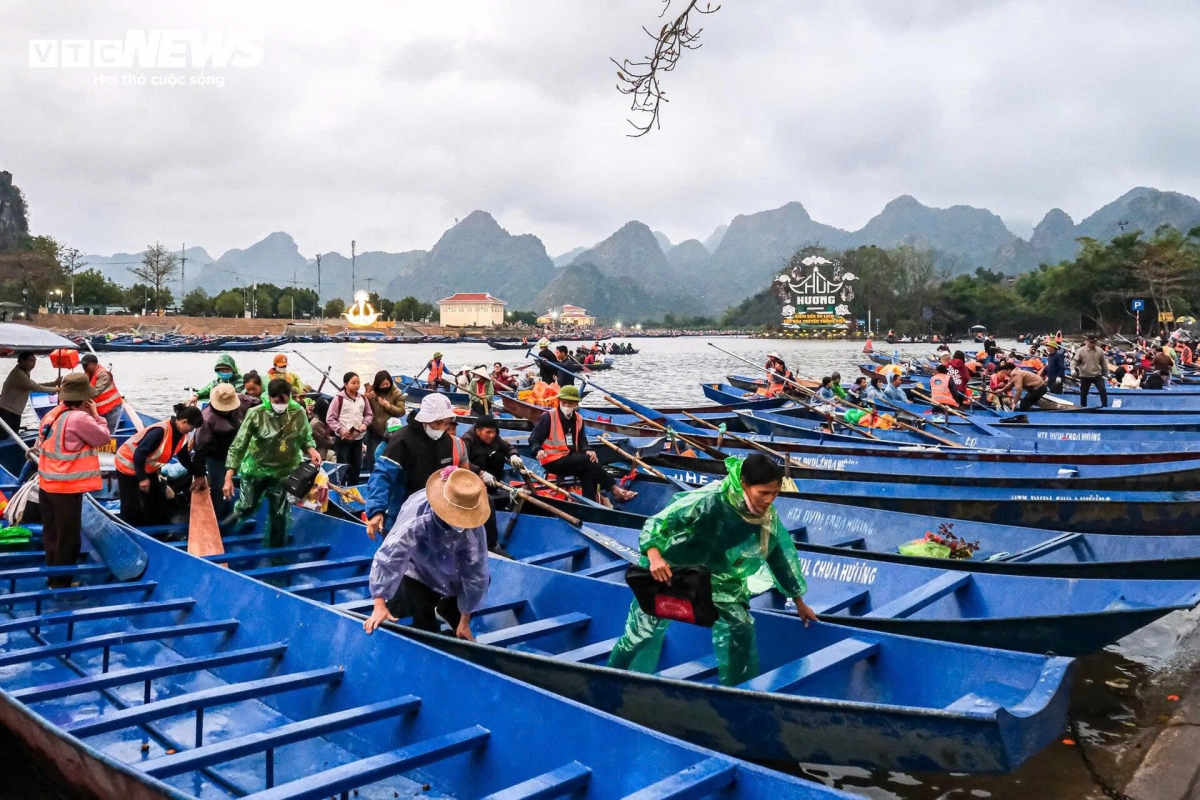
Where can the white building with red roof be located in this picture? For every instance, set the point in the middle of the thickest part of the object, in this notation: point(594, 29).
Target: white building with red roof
point(471, 310)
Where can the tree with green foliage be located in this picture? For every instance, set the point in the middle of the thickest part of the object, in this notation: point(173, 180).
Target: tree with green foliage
point(411, 309)
point(197, 303)
point(143, 299)
point(230, 303)
point(93, 289)
point(334, 308)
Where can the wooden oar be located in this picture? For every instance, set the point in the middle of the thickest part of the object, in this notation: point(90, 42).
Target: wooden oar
point(324, 373)
point(634, 459)
point(204, 536)
point(788, 462)
point(518, 507)
point(833, 418)
point(955, 412)
point(711, 451)
point(575, 498)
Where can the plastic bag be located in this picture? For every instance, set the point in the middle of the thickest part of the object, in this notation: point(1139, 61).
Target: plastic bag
point(924, 548)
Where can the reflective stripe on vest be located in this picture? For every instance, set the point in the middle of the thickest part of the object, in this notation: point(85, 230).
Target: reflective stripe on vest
point(939, 389)
point(61, 471)
point(110, 398)
point(460, 451)
point(156, 460)
point(555, 446)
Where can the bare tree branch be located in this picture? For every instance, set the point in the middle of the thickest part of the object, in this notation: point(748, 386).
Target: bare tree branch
point(640, 79)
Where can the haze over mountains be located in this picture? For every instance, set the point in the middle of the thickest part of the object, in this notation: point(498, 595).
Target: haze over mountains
point(637, 273)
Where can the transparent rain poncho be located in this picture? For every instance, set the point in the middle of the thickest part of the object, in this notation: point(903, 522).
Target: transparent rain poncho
point(422, 547)
point(713, 527)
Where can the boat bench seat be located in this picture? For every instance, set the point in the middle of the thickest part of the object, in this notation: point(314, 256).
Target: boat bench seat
point(840, 602)
point(550, 556)
point(973, 703)
point(1042, 548)
point(781, 679)
point(69, 618)
point(705, 779)
point(566, 780)
point(109, 640)
point(696, 670)
point(333, 781)
point(239, 557)
point(534, 630)
point(38, 596)
point(591, 652)
point(353, 562)
point(262, 741)
point(607, 568)
point(339, 585)
point(848, 542)
point(924, 595)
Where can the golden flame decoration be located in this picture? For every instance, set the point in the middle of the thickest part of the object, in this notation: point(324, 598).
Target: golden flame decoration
point(361, 314)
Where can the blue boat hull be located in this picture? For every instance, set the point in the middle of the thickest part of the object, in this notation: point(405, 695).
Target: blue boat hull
point(296, 702)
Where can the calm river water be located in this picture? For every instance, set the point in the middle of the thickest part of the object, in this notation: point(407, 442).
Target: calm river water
point(1120, 693)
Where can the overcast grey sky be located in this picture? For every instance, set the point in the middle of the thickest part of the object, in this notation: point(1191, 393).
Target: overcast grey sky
point(384, 121)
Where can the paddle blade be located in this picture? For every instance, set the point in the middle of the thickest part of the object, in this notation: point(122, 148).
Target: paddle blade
point(204, 537)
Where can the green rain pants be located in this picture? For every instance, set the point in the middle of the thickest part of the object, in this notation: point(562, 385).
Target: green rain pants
point(639, 647)
point(251, 492)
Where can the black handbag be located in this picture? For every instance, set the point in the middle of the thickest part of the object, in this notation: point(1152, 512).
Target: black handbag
point(302, 479)
point(687, 598)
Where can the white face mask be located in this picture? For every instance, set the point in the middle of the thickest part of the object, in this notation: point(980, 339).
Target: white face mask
point(567, 412)
point(279, 408)
point(434, 433)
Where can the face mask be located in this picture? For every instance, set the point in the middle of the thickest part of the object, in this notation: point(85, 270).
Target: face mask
point(224, 375)
point(434, 433)
point(567, 412)
point(279, 408)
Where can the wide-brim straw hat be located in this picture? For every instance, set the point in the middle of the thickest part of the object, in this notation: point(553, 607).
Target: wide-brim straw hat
point(76, 387)
point(458, 497)
point(224, 397)
point(543, 343)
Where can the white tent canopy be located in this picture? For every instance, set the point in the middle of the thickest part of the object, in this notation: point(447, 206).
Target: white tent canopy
point(14, 338)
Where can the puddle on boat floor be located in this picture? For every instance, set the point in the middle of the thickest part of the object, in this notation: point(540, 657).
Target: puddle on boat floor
point(1120, 701)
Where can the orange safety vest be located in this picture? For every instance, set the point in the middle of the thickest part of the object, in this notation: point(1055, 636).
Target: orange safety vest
point(555, 446)
point(158, 459)
point(110, 398)
point(939, 389)
point(1186, 355)
point(61, 471)
point(436, 369)
point(459, 450)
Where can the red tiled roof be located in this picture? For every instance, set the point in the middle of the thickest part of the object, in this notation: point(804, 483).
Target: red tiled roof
point(472, 297)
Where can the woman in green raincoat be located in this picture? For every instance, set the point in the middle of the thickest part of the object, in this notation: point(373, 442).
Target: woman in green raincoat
point(273, 440)
point(226, 372)
point(731, 528)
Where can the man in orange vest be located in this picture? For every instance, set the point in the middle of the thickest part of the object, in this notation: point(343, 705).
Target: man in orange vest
point(68, 466)
point(939, 387)
point(436, 372)
point(109, 403)
point(559, 443)
point(140, 460)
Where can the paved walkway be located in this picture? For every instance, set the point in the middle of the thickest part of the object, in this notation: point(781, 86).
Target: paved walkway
point(1171, 768)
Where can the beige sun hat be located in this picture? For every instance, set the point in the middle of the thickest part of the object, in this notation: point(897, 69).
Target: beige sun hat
point(435, 407)
point(75, 387)
point(459, 499)
point(224, 397)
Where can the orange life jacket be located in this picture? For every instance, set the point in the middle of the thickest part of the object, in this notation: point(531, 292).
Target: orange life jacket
point(460, 451)
point(158, 459)
point(939, 389)
point(110, 398)
point(555, 446)
point(62, 471)
point(436, 370)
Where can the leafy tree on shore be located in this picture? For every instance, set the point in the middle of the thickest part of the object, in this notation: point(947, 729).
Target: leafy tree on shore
point(197, 303)
point(230, 303)
point(93, 289)
point(334, 308)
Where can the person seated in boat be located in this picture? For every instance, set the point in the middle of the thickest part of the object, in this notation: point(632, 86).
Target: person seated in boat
point(1156, 380)
point(139, 462)
point(874, 391)
point(423, 446)
point(825, 393)
point(502, 378)
point(17, 388)
point(434, 560)
point(894, 392)
point(481, 391)
point(778, 375)
point(1021, 381)
point(733, 529)
point(437, 373)
point(487, 454)
point(589, 358)
point(226, 372)
point(273, 441)
point(855, 393)
point(559, 442)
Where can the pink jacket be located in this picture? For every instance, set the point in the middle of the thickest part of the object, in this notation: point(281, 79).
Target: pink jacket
point(333, 417)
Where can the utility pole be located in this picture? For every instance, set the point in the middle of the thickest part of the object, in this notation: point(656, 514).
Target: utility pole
point(318, 285)
point(182, 271)
point(292, 296)
point(352, 284)
point(369, 284)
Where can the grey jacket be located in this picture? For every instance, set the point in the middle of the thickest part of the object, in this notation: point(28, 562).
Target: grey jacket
point(1090, 363)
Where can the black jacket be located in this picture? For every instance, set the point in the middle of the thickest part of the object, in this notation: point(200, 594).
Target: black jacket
point(417, 454)
point(541, 432)
point(488, 456)
point(213, 438)
point(546, 371)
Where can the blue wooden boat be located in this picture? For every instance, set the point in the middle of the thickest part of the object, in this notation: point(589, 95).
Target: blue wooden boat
point(1012, 612)
point(1106, 419)
point(196, 681)
point(724, 394)
point(1159, 476)
point(416, 389)
point(826, 693)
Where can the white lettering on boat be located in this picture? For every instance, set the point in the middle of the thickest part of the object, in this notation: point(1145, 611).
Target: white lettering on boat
point(825, 462)
point(855, 572)
point(1070, 437)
